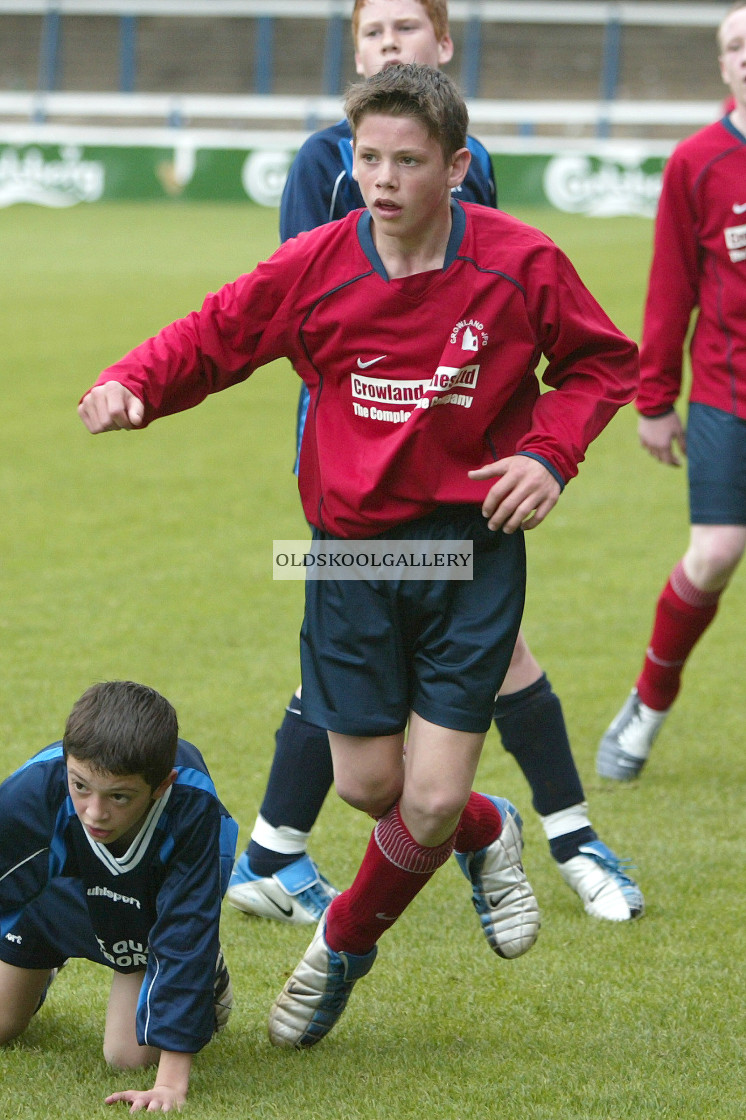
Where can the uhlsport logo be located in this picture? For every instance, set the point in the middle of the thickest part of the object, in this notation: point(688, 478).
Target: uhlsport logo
point(28, 176)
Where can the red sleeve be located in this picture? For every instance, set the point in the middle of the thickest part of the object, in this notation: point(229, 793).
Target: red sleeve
point(237, 329)
point(672, 292)
point(592, 365)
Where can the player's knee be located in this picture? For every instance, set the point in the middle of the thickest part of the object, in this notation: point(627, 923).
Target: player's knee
point(713, 560)
point(120, 1055)
point(437, 809)
point(374, 797)
point(11, 1026)
point(431, 816)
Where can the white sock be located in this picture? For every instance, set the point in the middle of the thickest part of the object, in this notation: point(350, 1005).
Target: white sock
point(283, 839)
point(566, 820)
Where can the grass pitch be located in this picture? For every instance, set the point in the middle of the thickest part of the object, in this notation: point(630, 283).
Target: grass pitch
point(147, 555)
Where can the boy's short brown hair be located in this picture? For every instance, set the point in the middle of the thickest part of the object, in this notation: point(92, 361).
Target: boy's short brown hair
point(435, 10)
point(120, 727)
point(412, 90)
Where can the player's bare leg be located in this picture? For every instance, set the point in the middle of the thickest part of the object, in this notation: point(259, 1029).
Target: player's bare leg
point(121, 1048)
point(21, 990)
point(434, 810)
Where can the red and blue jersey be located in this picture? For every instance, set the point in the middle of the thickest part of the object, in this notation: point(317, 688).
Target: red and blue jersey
point(415, 381)
point(320, 188)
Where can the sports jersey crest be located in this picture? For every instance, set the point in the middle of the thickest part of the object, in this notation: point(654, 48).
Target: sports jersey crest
point(472, 334)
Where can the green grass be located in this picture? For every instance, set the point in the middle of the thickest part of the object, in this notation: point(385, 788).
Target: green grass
point(147, 555)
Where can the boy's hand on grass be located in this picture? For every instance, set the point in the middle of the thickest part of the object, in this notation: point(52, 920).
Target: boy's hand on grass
point(110, 408)
point(525, 493)
point(158, 1099)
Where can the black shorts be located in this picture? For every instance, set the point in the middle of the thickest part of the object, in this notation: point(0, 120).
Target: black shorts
point(55, 926)
point(716, 462)
point(372, 651)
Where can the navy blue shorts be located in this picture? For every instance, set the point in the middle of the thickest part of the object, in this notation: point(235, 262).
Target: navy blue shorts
point(55, 926)
point(372, 651)
point(716, 456)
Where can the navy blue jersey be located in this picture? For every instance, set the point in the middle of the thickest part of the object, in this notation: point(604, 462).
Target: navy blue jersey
point(156, 907)
point(320, 189)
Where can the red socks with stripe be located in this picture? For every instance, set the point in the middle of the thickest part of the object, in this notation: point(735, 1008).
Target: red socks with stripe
point(394, 870)
point(682, 616)
point(480, 824)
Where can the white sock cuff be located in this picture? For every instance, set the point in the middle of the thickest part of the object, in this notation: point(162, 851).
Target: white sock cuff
point(566, 820)
point(283, 839)
point(400, 848)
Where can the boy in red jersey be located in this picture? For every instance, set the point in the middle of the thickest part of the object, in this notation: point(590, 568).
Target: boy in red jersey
point(417, 325)
point(275, 876)
point(699, 260)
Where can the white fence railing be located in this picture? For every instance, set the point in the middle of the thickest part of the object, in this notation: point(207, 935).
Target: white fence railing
point(306, 113)
point(491, 11)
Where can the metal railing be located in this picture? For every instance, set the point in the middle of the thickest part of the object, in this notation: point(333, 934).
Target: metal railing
point(474, 14)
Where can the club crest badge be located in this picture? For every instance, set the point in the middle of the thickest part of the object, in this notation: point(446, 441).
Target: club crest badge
point(470, 334)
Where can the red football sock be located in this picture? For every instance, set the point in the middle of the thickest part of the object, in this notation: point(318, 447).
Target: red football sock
point(682, 616)
point(480, 824)
point(395, 868)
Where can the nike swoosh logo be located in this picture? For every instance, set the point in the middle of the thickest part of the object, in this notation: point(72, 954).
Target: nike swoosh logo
point(288, 913)
point(385, 918)
point(739, 209)
point(373, 361)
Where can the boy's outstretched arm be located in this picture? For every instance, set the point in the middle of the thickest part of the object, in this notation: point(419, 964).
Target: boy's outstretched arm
point(169, 1091)
point(110, 408)
point(523, 495)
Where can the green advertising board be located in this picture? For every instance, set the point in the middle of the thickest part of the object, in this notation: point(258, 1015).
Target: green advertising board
point(624, 179)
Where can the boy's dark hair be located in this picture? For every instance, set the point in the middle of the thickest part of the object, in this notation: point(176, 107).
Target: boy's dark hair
point(412, 90)
point(123, 728)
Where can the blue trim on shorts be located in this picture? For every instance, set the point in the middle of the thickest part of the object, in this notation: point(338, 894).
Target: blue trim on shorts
point(716, 466)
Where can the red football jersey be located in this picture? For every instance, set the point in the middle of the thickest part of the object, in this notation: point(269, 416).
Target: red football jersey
point(699, 260)
point(414, 381)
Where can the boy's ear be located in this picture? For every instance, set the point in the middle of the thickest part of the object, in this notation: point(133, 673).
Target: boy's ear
point(459, 166)
point(167, 781)
point(445, 50)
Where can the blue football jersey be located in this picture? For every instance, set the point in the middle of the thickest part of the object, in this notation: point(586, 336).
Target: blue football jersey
point(155, 907)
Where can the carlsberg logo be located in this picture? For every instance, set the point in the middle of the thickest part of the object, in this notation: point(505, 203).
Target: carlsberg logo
point(580, 184)
point(29, 177)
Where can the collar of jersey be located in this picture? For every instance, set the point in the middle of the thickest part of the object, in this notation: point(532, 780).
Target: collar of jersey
point(733, 130)
point(137, 849)
point(458, 228)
